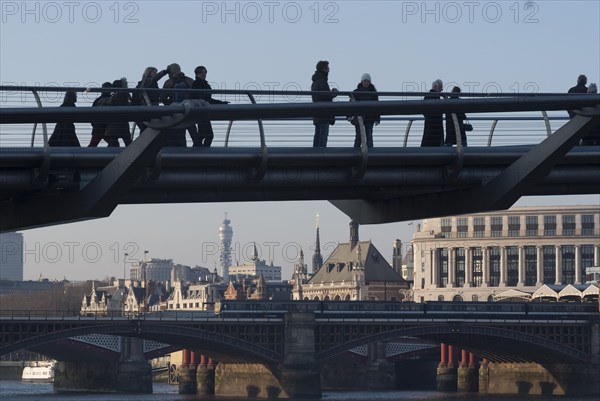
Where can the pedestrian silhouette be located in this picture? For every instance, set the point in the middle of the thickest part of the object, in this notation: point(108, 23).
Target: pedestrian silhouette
point(64, 131)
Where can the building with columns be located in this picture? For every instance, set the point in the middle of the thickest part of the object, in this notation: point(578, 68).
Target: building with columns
point(476, 257)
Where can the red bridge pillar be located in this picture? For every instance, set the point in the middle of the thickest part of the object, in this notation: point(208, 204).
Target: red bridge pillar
point(205, 376)
point(446, 372)
point(186, 373)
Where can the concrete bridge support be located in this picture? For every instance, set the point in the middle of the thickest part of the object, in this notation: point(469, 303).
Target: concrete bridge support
point(205, 376)
point(446, 371)
point(298, 376)
point(131, 374)
point(381, 374)
point(468, 379)
point(186, 373)
point(533, 378)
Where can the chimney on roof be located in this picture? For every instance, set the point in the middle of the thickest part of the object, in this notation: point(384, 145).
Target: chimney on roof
point(353, 234)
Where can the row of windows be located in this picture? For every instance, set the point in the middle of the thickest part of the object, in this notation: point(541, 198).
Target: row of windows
point(532, 228)
point(567, 265)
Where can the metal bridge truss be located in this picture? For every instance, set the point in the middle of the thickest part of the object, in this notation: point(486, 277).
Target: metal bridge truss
point(44, 186)
point(245, 340)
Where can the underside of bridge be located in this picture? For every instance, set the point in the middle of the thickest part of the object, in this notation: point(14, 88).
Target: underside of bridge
point(45, 186)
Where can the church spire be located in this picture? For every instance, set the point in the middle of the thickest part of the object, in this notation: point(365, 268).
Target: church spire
point(317, 259)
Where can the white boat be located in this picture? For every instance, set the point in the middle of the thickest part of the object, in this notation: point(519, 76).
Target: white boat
point(38, 371)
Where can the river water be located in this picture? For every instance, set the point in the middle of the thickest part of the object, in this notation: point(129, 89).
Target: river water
point(17, 390)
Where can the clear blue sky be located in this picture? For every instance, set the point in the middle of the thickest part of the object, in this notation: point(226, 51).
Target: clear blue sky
point(403, 44)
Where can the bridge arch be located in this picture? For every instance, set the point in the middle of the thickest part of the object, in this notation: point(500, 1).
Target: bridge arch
point(225, 348)
point(509, 345)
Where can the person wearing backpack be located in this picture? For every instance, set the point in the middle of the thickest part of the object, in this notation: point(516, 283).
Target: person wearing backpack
point(178, 80)
point(205, 130)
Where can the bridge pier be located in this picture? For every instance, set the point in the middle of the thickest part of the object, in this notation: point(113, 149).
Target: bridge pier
point(205, 376)
point(467, 373)
point(297, 376)
point(446, 371)
point(533, 378)
point(186, 373)
point(381, 374)
point(131, 374)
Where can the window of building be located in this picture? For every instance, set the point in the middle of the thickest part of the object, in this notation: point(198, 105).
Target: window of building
point(460, 267)
point(549, 226)
point(496, 227)
point(443, 267)
point(446, 227)
point(475, 298)
point(512, 266)
point(477, 266)
point(568, 223)
point(462, 227)
point(587, 260)
point(530, 265)
point(568, 264)
point(531, 226)
point(514, 226)
point(494, 266)
point(587, 224)
point(441, 298)
point(457, 298)
point(549, 264)
point(478, 227)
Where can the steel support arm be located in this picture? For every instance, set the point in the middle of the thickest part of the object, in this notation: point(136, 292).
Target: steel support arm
point(499, 193)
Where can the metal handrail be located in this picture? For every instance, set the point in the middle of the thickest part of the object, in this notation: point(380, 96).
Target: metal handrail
point(361, 169)
point(45, 166)
point(262, 169)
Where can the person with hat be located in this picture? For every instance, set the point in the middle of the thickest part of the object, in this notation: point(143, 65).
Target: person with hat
point(365, 91)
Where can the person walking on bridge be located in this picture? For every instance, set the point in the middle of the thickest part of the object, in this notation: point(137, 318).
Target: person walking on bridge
point(64, 132)
point(365, 91)
point(205, 131)
point(433, 131)
point(320, 84)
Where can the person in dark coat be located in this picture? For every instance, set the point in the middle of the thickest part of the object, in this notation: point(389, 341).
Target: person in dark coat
point(64, 132)
point(99, 128)
point(365, 91)
point(150, 79)
point(433, 131)
point(118, 129)
point(205, 131)
point(593, 137)
point(450, 127)
point(320, 84)
point(176, 136)
point(579, 88)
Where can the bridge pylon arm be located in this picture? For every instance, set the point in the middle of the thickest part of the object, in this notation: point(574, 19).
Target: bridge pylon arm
point(97, 199)
point(499, 193)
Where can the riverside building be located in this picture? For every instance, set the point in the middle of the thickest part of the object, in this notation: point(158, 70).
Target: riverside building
point(479, 256)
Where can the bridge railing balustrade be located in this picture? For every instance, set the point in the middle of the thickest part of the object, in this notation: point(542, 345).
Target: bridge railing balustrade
point(491, 129)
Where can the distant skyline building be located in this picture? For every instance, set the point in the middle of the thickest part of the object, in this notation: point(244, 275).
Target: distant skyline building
point(317, 259)
point(157, 270)
point(11, 256)
point(255, 268)
point(225, 237)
